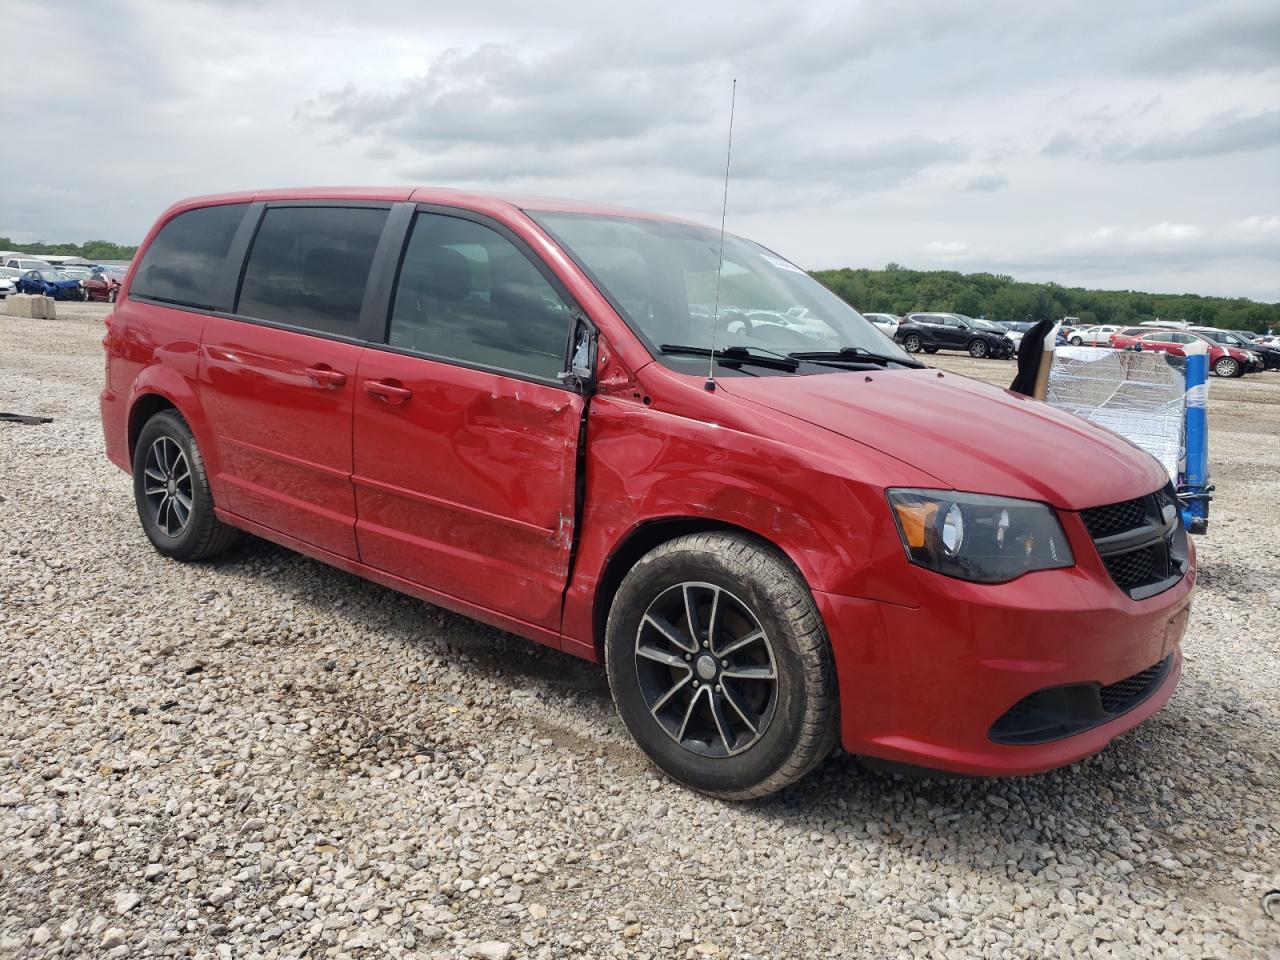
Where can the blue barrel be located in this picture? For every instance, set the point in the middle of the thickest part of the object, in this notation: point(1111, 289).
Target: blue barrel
point(1195, 486)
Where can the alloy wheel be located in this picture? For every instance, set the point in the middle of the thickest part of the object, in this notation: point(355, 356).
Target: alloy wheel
point(978, 348)
point(167, 486)
point(706, 669)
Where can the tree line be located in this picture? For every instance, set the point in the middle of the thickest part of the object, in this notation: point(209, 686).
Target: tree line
point(898, 290)
point(89, 250)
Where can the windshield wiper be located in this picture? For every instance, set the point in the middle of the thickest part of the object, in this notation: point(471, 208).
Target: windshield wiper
point(854, 355)
point(737, 355)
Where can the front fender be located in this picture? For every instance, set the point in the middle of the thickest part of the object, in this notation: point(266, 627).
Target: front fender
point(823, 508)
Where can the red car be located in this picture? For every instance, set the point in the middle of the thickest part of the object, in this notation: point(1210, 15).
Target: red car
point(512, 409)
point(102, 285)
point(1223, 361)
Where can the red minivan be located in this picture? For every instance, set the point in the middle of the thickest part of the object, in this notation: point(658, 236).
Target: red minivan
point(599, 430)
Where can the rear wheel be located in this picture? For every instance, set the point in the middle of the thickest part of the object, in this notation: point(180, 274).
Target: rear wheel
point(171, 490)
point(978, 348)
point(720, 666)
point(1227, 367)
point(912, 343)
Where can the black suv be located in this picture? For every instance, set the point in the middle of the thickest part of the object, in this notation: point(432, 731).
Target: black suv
point(932, 332)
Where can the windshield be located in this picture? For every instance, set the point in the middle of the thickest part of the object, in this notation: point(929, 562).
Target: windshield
point(662, 277)
point(980, 324)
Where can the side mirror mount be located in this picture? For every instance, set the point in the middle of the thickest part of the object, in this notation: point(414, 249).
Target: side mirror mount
point(582, 357)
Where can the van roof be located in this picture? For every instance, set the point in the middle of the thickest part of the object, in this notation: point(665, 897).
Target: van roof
point(447, 196)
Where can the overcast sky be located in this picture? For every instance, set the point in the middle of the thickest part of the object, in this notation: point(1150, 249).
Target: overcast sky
point(1120, 145)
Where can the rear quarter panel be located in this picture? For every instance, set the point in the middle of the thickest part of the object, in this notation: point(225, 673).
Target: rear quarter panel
point(153, 350)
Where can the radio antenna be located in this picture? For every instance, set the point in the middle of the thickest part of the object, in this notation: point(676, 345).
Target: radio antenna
point(715, 313)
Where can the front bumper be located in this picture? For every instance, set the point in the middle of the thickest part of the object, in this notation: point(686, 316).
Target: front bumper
point(924, 686)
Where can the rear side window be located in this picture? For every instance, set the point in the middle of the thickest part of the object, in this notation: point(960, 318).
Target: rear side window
point(186, 258)
point(467, 293)
point(308, 267)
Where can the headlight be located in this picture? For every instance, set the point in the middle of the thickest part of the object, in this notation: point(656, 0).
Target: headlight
point(975, 537)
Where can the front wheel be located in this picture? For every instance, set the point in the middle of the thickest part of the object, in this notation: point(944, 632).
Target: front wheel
point(912, 343)
point(1076, 342)
point(1226, 367)
point(930, 349)
point(171, 490)
point(720, 666)
point(111, 297)
point(978, 348)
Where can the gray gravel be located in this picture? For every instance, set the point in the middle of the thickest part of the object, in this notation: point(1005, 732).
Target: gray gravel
point(263, 757)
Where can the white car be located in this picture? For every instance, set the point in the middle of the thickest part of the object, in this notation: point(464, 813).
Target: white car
point(8, 281)
point(886, 323)
point(1099, 336)
point(23, 264)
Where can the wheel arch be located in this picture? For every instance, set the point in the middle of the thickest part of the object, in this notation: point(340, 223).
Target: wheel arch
point(159, 388)
point(647, 536)
point(144, 407)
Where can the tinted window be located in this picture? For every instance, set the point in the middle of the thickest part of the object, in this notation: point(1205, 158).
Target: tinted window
point(308, 267)
point(184, 261)
point(466, 293)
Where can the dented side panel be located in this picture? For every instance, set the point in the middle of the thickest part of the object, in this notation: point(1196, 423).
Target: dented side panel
point(467, 487)
point(672, 451)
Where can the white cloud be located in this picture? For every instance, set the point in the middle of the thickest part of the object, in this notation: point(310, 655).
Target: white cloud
point(1145, 157)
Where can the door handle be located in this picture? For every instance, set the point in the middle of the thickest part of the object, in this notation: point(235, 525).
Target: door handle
point(326, 376)
point(387, 392)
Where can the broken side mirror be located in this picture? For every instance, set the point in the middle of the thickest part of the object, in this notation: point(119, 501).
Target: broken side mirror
point(582, 357)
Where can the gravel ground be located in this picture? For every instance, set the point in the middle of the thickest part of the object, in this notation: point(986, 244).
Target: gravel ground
point(264, 757)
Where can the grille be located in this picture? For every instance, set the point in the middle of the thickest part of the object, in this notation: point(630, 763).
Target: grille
point(1120, 696)
point(1131, 570)
point(1057, 712)
point(1144, 553)
point(1115, 517)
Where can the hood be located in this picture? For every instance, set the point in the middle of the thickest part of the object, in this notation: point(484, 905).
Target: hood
point(970, 435)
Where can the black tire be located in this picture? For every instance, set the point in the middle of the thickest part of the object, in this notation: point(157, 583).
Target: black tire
point(930, 349)
point(201, 534)
point(1227, 367)
point(798, 717)
point(111, 296)
point(978, 348)
point(1076, 342)
point(912, 343)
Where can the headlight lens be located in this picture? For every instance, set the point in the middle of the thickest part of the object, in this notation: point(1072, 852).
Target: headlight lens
point(979, 538)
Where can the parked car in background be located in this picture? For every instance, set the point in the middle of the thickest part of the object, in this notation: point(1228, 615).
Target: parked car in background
point(1098, 336)
point(1224, 361)
point(9, 280)
point(51, 283)
point(103, 284)
point(1270, 356)
point(1014, 330)
point(23, 264)
point(932, 332)
point(501, 406)
point(886, 323)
